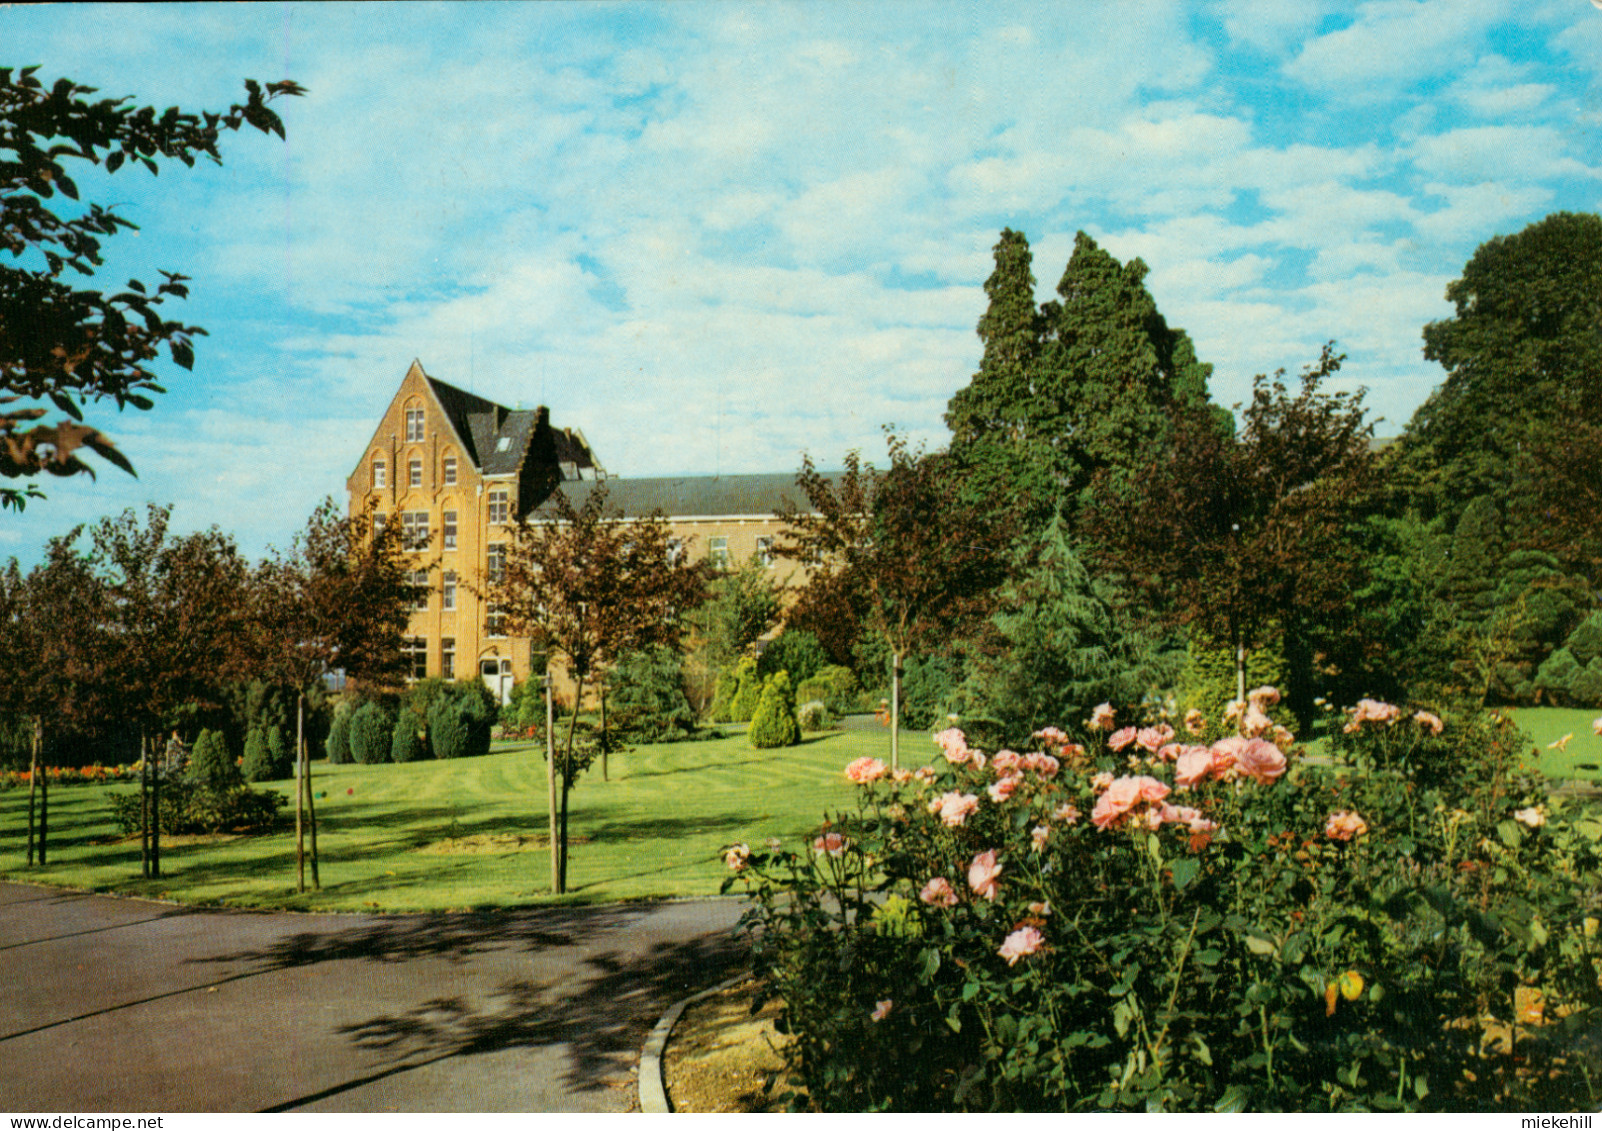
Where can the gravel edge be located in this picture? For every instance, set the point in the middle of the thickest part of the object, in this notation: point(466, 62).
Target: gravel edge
point(653, 1083)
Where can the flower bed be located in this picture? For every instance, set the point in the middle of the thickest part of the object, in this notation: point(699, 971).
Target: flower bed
point(1146, 920)
point(71, 775)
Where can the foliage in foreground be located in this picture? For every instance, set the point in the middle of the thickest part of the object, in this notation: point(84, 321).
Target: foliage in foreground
point(190, 806)
point(1033, 932)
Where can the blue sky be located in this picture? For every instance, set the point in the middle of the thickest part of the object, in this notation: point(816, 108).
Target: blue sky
point(714, 235)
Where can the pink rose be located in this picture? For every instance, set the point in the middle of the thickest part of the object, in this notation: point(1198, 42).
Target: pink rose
point(1101, 718)
point(737, 857)
point(1429, 721)
point(1261, 761)
point(1065, 813)
point(1283, 738)
point(1193, 766)
point(1040, 909)
point(982, 873)
point(901, 777)
point(1344, 825)
point(1122, 738)
point(1226, 752)
point(1043, 764)
point(1038, 837)
point(937, 893)
point(1192, 818)
point(832, 843)
point(955, 808)
point(1152, 738)
point(1596, 726)
point(1005, 760)
point(1020, 944)
point(1051, 736)
point(1122, 796)
point(1101, 780)
point(925, 774)
point(865, 770)
point(1004, 788)
point(1195, 721)
point(1169, 752)
point(1263, 697)
point(882, 1010)
point(955, 745)
point(1255, 723)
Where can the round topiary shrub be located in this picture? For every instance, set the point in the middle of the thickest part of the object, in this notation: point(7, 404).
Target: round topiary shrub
point(339, 736)
point(836, 685)
point(774, 723)
point(728, 686)
point(795, 651)
point(406, 745)
point(1585, 690)
point(448, 730)
point(279, 756)
point(210, 763)
point(371, 731)
point(258, 764)
point(748, 691)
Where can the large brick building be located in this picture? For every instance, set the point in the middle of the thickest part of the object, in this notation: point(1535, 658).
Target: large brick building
point(460, 471)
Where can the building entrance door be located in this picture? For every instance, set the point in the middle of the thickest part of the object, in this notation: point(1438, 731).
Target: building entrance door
point(497, 676)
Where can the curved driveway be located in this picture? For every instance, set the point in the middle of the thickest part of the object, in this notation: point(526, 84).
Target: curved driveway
point(121, 1005)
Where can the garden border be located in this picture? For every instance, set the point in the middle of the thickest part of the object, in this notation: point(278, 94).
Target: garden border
point(652, 1079)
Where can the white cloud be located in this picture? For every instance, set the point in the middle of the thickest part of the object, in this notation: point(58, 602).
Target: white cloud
point(1394, 43)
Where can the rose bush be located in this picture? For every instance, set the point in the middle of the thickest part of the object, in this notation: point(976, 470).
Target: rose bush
point(1201, 922)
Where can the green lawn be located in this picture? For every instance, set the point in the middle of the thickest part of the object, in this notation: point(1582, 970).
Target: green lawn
point(1581, 758)
point(655, 830)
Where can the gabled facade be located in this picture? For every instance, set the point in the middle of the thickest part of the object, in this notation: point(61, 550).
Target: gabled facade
point(456, 470)
point(459, 471)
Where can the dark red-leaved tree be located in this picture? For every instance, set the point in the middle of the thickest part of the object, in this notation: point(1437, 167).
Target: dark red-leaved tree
point(587, 587)
point(339, 600)
point(903, 549)
point(1240, 535)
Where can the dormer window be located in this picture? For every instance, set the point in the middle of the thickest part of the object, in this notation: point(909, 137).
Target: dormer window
point(504, 443)
point(414, 426)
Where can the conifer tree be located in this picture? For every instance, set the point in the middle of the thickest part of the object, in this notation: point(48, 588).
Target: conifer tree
point(774, 723)
point(257, 765)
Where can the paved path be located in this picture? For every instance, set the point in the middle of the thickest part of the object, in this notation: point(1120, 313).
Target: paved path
point(122, 1005)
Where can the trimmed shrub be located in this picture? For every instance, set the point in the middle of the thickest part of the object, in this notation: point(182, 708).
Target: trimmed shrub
point(448, 730)
point(188, 807)
point(210, 764)
point(774, 723)
point(645, 697)
point(258, 765)
point(1556, 674)
point(814, 715)
point(406, 744)
point(279, 755)
point(836, 685)
point(748, 691)
point(371, 731)
point(1585, 642)
point(339, 736)
point(1207, 683)
point(728, 686)
point(796, 651)
point(928, 689)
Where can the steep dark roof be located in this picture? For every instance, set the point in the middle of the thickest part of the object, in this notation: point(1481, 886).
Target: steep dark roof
point(460, 408)
point(759, 496)
point(501, 438)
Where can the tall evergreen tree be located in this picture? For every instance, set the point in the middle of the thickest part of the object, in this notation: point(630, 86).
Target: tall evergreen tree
point(1525, 339)
point(1053, 650)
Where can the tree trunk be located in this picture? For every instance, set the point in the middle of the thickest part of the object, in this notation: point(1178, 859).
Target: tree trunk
point(605, 745)
point(155, 816)
point(144, 805)
point(33, 781)
point(300, 811)
point(1240, 669)
point(550, 777)
point(895, 711)
point(311, 804)
point(44, 807)
point(567, 785)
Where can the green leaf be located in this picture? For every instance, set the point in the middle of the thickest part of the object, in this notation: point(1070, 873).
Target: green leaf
point(931, 964)
point(1123, 1014)
point(1237, 1099)
point(1257, 944)
point(1185, 869)
point(1510, 833)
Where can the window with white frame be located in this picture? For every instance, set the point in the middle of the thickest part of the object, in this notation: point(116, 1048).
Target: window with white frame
point(378, 523)
point(495, 621)
point(418, 580)
point(495, 561)
point(414, 525)
point(764, 550)
point(380, 475)
point(675, 550)
point(499, 504)
point(448, 471)
point(448, 533)
point(415, 649)
point(414, 426)
point(448, 591)
point(415, 473)
point(717, 551)
point(447, 657)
